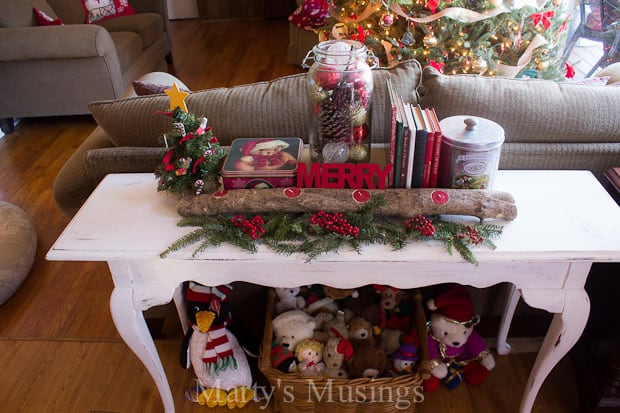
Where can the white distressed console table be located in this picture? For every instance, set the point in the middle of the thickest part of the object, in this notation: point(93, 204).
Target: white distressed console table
point(566, 221)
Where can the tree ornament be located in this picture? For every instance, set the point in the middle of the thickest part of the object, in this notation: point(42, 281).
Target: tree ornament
point(479, 65)
point(360, 133)
point(387, 20)
point(335, 152)
point(542, 64)
point(328, 77)
point(340, 31)
point(407, 38)
point(359, 115)
point(359, 153)
point(430, 40)
point(318, 94)
point(177, 98)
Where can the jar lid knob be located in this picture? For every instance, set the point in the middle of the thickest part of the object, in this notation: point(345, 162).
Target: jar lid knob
point(471, 123)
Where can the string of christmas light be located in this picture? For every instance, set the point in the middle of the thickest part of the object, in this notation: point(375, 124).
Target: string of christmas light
point(460, 36)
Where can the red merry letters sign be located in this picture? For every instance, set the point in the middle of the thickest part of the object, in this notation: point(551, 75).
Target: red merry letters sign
point(342, 175)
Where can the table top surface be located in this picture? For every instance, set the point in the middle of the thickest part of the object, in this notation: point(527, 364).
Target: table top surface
point(562, 216)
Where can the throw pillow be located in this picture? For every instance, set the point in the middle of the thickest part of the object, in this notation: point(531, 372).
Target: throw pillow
point(105, 9)
point(146, 88)
point(529, 110)
point(44, 19)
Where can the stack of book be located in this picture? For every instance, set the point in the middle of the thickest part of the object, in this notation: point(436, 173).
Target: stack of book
point(414, 145)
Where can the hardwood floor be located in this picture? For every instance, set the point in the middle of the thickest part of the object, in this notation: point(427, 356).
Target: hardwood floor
point(59, 350)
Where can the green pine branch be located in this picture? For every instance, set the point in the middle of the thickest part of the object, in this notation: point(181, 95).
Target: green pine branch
point(287, 233)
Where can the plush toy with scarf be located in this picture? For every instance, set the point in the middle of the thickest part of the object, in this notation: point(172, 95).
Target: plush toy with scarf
point(219, 362)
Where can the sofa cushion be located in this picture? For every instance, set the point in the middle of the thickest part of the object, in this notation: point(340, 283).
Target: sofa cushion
point(128, 48)
point(264, 109)
point(21, 13)
point(97, 10)
point(149, 26)
point(100, 162)
point(529, 110)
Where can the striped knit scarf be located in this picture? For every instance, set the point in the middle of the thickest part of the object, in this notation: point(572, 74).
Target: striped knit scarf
point(218, 354)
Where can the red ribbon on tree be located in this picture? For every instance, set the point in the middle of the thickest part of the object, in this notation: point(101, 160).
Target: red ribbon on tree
point(543, 17)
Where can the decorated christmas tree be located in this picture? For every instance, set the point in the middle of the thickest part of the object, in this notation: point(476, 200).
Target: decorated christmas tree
point(517, 38)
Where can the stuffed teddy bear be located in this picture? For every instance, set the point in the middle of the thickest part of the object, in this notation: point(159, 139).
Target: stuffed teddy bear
point(288, 299)
point(368, 359)
point(393, 310)
point(219, 362)
point(322, 298)
point(291, 327)
point(338, 352)
point(456, 351)
point(309, 354)
point(328, 324)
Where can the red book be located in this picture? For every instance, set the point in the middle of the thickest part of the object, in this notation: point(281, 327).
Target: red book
point(391, 113)
point(436, 150)
point(430, 147)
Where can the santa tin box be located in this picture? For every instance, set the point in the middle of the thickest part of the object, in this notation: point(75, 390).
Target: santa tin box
point(262, 163)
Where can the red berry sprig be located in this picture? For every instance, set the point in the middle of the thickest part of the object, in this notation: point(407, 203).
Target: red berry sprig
point(472, 235)
point(253, 228)
point(421, 224)
point(335, 223)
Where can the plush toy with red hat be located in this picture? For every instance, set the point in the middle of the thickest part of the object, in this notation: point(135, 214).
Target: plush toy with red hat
point(338, 352)
point(456, 352)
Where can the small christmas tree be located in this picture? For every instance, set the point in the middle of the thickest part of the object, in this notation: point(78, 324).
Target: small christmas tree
point(460, 36)
point(193, 160)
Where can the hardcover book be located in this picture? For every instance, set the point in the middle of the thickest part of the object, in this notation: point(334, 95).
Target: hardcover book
point(420, 147)
point(437, 149)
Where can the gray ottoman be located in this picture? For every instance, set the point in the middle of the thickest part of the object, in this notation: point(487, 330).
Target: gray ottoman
point(18, 247)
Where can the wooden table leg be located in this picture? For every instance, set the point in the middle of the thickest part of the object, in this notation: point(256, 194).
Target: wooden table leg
point(564, 331)
point(131, 326)
point(512, 300)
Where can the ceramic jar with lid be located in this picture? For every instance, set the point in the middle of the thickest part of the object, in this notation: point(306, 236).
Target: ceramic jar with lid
point(470, 151)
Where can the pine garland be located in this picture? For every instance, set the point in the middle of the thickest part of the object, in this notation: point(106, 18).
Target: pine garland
point(315, 234)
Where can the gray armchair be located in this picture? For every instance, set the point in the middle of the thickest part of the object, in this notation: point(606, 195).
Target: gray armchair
point(58, 70)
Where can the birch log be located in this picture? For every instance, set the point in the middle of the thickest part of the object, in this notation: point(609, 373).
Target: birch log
point(405, 203)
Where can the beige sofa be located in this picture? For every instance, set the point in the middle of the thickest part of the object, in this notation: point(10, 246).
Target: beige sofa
point(58, 70)
point(548, 125)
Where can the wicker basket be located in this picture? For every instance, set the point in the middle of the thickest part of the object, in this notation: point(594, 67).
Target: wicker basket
point(296, 393)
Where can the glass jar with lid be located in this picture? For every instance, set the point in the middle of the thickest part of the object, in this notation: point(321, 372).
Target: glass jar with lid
point(340, 86)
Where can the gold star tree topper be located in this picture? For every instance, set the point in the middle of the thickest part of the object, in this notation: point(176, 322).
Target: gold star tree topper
point(177, 98)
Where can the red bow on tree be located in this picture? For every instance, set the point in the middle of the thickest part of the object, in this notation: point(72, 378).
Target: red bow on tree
point(544, 17)
point(432, 5)
point(437, 65)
